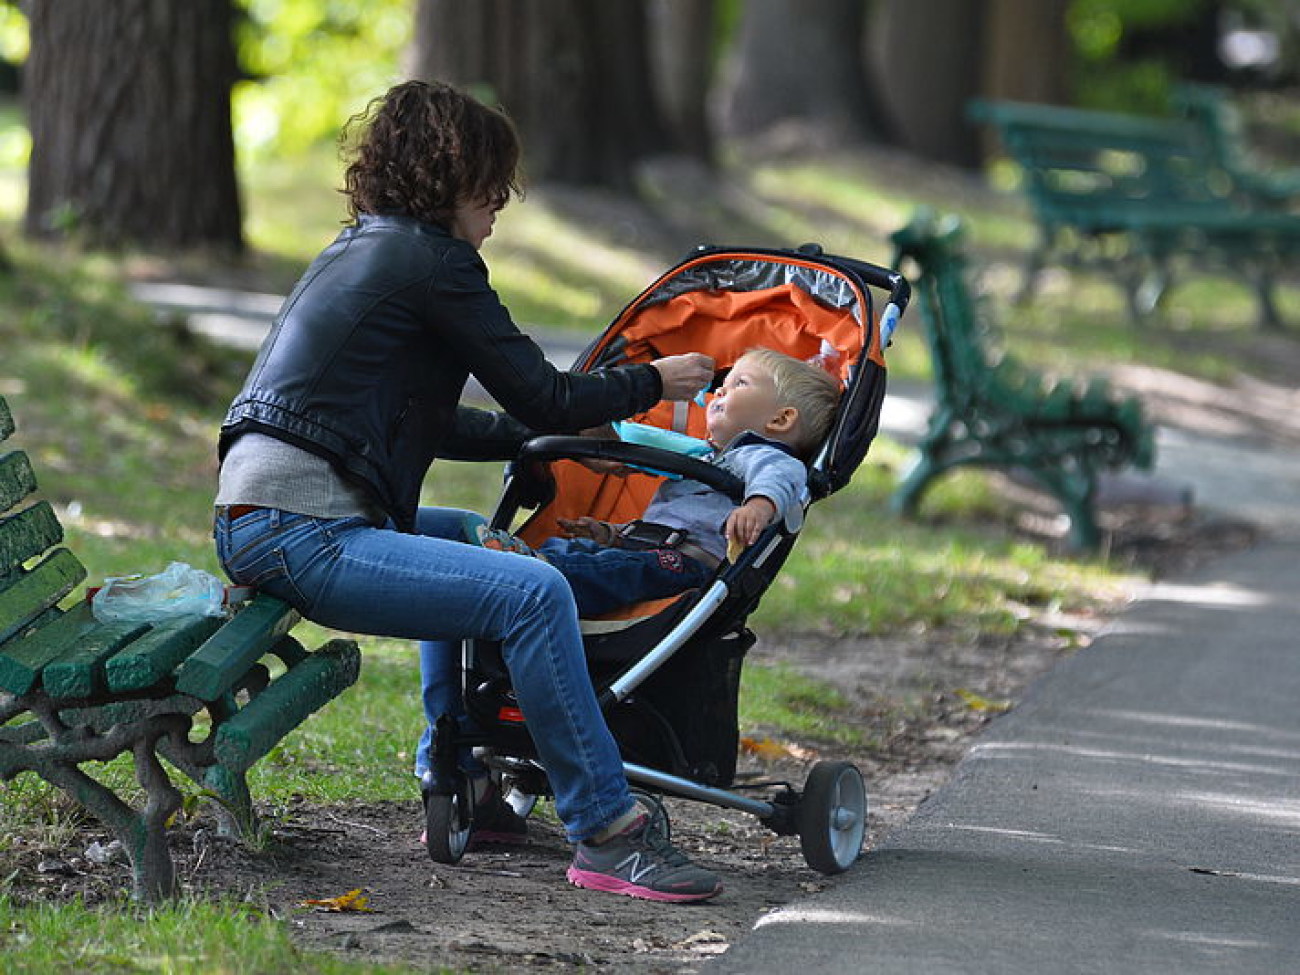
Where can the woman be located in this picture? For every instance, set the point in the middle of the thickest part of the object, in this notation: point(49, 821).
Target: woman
point(353, 395)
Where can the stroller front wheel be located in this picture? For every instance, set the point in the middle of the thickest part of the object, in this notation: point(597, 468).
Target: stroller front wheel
point(448, 818)
point(832, 816)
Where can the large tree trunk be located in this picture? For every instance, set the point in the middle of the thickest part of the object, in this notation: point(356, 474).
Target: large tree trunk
point(129, 107)
point(574, 75)
point(800, 61)
point(1027, 51)
point(928, 56)
point(682, 38)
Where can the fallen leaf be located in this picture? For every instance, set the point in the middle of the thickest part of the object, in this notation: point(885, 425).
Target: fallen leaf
point(353, 900)
point(977, 703)
point(770, 749)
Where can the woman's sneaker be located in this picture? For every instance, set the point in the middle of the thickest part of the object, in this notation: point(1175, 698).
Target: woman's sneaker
point(640, 862)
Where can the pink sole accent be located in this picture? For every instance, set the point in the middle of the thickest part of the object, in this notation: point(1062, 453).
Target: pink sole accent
point(612, 885)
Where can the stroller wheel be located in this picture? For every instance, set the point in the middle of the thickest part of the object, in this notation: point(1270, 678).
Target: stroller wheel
point(447, 821)
point(832, 816)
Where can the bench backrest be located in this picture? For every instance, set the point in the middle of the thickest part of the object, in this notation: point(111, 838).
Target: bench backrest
point(1076, 162)
point(963, 351)
point(29, 596)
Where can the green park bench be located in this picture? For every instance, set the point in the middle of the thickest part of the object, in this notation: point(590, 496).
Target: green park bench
point(1130, 196)
point(75, 691)
point(1223, 127)
point(992, 411)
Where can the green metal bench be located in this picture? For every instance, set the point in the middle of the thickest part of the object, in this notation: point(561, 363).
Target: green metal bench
point(74, 690)
point(1131, 196)
point(992, 411)
point(1223, 128)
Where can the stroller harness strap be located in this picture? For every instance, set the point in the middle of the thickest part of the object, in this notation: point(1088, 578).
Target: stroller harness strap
point(641, 535)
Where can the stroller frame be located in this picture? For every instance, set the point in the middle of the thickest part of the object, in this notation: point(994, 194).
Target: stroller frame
point(830, 813)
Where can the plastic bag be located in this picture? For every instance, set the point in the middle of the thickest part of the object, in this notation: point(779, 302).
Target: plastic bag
point(179, 590)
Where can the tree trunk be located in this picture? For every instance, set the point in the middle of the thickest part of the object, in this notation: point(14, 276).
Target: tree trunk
point(1027, 51)
point(129, 107)
point(928, 55)
point(573, 74)
point(682, 37)
point(800, 61)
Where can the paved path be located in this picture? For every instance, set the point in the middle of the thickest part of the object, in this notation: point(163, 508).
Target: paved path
point(1139, 812)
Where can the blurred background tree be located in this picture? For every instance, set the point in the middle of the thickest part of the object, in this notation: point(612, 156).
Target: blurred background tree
point(128, 103)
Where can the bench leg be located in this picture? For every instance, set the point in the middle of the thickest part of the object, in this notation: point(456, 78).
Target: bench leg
point(1076, 491)
point(142, 834)
point(915, 480)
point(1269, 319)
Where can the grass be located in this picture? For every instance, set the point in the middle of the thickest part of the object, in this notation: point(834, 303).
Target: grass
point(119, 414)
point(187, 936)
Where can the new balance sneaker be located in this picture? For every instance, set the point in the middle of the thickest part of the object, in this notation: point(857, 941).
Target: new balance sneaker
point(640, 862)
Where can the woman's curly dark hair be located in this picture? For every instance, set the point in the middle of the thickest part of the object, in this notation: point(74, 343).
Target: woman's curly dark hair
point(422, 148)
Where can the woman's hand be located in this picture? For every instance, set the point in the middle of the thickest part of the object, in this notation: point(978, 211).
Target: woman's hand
point(684, 375)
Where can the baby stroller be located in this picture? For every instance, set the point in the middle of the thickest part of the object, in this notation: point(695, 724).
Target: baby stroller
point(667, 673)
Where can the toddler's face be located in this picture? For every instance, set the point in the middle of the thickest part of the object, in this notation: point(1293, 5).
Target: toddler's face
point(745, 401)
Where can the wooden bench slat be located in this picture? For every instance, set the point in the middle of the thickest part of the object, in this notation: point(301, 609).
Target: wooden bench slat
point(286, 703)
point(34, 592)
point(17, 480)
point(79, 672)
point(22, 661)
point(215, 667)
point(27, 534)
point(151, 660)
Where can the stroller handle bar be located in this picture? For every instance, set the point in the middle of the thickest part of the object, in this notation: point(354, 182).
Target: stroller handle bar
point(633, 455)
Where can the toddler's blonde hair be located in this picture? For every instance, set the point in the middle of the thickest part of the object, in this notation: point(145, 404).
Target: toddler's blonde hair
point(811, 390)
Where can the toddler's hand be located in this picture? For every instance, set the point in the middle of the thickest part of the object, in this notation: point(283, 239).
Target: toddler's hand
point(600, 532)
point(747, 522)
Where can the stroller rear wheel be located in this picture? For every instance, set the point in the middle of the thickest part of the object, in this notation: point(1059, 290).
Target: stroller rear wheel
point(448, 818)
point(832, 816)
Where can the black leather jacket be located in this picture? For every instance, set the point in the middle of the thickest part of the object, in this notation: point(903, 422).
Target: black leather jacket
point(367, 359)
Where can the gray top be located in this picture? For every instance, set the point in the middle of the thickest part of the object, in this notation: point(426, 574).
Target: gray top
point(270, 473)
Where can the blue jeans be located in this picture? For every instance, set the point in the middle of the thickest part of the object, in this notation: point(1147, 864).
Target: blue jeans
point(347, 574)
point(604, 578)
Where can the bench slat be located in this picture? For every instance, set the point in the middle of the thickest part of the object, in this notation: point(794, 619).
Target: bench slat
point(27, 598)
point(23, 660)
point(150, 660)
point(215, 667)
point(17, 480)
point(79, 672)
point(27, 534)
point(286, 703)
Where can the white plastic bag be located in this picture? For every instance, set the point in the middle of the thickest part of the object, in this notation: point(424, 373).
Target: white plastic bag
point(179, 590)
